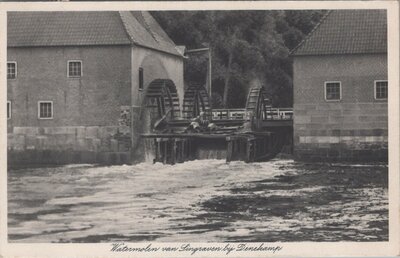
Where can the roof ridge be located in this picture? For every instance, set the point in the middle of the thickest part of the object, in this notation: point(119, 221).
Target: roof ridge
point(141, 36)
point(147, 27)
point(311, 32)
point(124, 25)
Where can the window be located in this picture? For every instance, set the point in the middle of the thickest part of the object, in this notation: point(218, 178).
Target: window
point(45, 109)
point(140, 78)
point(11, 70)
point(8, 109)
point(381, 89)
point(74, 69)
point(333, 91)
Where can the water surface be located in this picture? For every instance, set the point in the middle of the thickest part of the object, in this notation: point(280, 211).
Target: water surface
point(199, 201)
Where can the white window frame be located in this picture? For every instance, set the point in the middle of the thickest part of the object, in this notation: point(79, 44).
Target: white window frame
point(340, 88)
point(9, 110)
point(52, 109)
point(375, 88)
point(16, 69)
point(74, 61)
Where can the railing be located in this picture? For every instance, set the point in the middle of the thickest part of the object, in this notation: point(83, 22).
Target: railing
point(229, 114)
point(278, 114)
point(241, 114)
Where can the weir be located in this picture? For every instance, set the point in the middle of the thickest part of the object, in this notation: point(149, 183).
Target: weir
point(255, 133)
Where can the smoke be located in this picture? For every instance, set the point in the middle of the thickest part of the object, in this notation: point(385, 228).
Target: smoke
point(255, 82)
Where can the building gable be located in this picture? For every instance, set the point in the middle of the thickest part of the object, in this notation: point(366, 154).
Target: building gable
point(144, 31)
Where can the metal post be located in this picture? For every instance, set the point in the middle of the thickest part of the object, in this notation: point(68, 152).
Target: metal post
point(209, 73)
point(209, 65)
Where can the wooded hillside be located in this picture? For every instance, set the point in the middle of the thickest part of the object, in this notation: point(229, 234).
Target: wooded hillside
point(249, 48)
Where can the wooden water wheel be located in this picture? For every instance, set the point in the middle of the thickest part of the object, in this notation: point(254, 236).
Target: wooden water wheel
point(257, 105)
point(162, 94)
point(195, 101)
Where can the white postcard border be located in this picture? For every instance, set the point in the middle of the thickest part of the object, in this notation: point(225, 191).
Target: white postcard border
point(390, 248)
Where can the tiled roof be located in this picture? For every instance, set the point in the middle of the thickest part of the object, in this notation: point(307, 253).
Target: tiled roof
point(143, 30)
point(86, 28)
point(347, 32)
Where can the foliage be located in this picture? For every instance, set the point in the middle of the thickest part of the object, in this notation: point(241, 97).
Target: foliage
point(248, 48)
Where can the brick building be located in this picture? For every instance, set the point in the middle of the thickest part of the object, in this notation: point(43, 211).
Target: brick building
point(75, 80)
point(341, 88)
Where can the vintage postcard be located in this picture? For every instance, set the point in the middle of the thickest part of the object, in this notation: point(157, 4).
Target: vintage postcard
point(199, 129)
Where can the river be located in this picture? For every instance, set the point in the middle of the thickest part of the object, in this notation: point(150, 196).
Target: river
point(199, 201)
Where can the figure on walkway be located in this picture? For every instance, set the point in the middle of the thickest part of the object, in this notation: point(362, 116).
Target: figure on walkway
point(201, 123)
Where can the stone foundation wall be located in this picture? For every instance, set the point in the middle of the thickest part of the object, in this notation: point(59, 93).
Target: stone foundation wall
point(363, 148)
point(347, 132)
point(69, 144)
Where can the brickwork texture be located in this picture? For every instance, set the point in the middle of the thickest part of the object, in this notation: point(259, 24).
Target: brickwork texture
point(93, 115)
point(354, 128)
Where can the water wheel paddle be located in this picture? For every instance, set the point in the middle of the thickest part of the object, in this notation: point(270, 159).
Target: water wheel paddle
point(162, 94)
point(257, 105)
point(195, 100)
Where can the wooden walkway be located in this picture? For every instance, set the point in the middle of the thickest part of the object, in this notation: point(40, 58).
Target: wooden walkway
point(174, 144)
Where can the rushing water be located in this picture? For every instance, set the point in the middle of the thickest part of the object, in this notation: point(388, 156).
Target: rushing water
point(202, 201)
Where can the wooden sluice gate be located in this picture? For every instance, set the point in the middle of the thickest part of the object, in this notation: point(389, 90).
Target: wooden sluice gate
point(251, 134)
point(180, 147)
point(249, 147)
point(173, 150)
